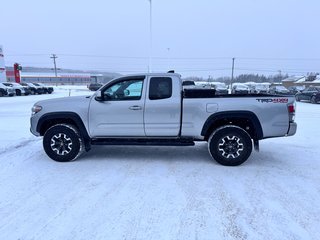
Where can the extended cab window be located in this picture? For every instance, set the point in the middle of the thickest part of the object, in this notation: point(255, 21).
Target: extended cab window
point(125, 90)
point(160, 88)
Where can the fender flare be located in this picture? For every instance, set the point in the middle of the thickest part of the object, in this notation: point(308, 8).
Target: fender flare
point(61, 116)
point(234, 114)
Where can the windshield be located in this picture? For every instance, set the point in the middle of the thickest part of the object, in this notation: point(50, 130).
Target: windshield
point(264, 87)
point(219, 85)
point(282, 88)
point(240, 86)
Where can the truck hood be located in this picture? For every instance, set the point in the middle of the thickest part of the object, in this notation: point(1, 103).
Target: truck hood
point(66, 104)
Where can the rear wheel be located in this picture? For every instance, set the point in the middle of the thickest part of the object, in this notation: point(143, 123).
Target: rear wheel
point(63, 143)
point(230, 145)
point(313, 100)
point(18, 92)
point(298, 98)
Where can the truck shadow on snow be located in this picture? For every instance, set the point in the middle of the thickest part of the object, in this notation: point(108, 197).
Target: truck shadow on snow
point(197, 153)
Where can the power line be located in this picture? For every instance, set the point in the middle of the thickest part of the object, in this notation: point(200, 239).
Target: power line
point(165, 58)
point(279, 59)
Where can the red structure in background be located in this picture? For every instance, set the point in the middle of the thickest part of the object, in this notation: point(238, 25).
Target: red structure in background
point(16, 69)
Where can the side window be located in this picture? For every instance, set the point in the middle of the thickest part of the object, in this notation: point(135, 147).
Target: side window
point(125, 90)
point(160, 88)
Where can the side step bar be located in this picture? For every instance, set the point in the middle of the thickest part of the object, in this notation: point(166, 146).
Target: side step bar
point(142, 142)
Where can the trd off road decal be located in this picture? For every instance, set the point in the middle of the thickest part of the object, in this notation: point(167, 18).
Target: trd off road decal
point(272, 100)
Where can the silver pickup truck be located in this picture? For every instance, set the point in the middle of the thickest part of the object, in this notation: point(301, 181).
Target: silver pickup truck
point(155, 109)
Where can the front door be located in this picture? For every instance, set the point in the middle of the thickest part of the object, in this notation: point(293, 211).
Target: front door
point(120, 113)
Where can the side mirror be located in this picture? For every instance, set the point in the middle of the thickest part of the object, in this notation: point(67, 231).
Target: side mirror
point(126, 92)
point(99, 96)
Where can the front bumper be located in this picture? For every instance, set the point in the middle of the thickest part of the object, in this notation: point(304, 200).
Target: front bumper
point(292, 129)
point(33, 125)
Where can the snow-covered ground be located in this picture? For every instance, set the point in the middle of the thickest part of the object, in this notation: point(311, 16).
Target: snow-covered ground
point(157, 192)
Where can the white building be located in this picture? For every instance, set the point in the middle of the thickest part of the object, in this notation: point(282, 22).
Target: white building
point(2, 66)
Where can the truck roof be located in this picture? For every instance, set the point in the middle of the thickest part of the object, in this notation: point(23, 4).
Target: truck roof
point(152, 74)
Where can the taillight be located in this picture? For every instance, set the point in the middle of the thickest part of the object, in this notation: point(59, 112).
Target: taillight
point(291, 109)
point(292, 112)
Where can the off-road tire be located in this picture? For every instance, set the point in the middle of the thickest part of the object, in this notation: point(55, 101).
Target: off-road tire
point(63, 143)
point(230, 145)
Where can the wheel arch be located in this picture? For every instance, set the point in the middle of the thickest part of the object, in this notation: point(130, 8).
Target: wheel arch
point(50, 119)
point(244, 119)
point(3, 91)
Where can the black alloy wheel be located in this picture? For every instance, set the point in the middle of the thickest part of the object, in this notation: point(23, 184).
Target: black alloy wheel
point(63, 143)
point(230, 145)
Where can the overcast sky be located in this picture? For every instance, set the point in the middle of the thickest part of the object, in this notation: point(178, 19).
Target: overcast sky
point(192, 37)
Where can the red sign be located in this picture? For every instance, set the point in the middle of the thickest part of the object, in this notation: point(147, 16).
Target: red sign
point(16, 73)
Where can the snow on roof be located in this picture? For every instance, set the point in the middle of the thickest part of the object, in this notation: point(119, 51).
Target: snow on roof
point(301, 80)
point(292, 78)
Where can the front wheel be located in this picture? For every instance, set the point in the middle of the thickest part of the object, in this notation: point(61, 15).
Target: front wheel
point(298, 98)
point(63, 143)
point(313, 100)
point(230, 145)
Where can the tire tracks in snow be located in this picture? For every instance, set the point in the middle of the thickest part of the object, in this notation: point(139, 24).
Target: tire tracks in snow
point(208, 207)
point(21, 144)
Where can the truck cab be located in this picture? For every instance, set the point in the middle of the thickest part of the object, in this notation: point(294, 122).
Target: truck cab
point(140, 106)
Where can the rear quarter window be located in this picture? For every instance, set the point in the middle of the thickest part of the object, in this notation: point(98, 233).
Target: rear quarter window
point(160, 88)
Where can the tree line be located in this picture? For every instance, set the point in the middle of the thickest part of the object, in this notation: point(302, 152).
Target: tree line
point(242, 78)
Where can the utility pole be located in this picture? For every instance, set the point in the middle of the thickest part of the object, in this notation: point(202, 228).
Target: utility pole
point(280, 75)
point(150, 39)
point(232, 72)
point(54, 63)
point(168, 59)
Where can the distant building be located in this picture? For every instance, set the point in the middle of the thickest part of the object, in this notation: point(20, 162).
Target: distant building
point(300, 81)
point(61, 79)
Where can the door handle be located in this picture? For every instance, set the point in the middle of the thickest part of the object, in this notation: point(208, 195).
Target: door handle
point(135, 108)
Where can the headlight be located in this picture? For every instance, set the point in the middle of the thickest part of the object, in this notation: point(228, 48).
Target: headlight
point(35, 109)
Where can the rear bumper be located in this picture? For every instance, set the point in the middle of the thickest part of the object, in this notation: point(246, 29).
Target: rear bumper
point(292, 129)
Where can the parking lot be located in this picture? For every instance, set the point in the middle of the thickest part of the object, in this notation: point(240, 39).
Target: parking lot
point(157, 192)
